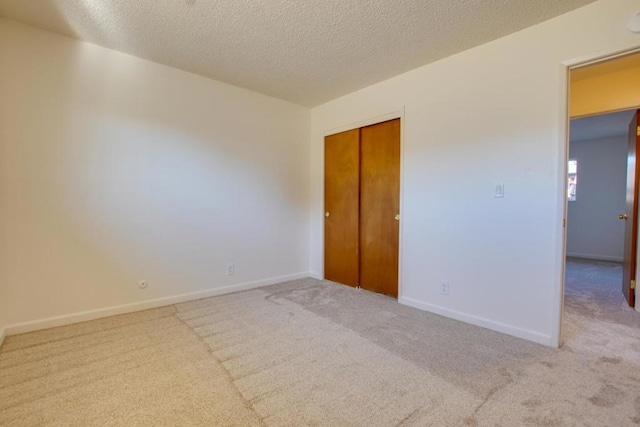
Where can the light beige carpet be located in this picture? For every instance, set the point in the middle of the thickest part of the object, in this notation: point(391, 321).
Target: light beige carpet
point(315, 353)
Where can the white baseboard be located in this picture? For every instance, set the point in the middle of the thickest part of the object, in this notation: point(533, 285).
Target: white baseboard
point(2, 335)
point(83, 316)
point(479, 321)
point(315, 275)
point(595, 257)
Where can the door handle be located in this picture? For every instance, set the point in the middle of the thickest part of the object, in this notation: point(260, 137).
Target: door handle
point(326, 214)
point(623, 216)
point(397, 217)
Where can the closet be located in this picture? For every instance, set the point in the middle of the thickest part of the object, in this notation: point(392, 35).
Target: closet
point(362, 207)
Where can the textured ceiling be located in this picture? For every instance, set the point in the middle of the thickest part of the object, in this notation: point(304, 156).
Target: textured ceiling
point(304, 51)
point(601, 126)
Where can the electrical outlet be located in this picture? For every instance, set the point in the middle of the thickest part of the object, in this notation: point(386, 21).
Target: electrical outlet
point(231, 269)
point(143, 284)
point(444, 288)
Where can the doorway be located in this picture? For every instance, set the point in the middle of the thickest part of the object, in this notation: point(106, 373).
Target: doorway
point(362, 207)
point(602, 197)
point(596, 216)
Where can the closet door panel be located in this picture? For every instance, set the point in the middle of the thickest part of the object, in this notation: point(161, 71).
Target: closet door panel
point(341, 202)
point(380, 207)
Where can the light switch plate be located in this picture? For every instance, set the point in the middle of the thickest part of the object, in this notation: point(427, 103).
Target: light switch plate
point(498, 191)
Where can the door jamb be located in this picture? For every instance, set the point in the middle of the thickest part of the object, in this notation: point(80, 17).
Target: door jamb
point(397, 114)
point(563, 156)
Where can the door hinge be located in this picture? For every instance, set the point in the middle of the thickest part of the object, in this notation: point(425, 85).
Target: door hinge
point(564, 222)
point(633, 284)
point(638, 131)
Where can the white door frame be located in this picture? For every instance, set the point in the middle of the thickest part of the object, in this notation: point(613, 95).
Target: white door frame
point(563, 157)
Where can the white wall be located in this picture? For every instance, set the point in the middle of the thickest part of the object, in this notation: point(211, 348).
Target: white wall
point(114, 169)
point(493, 114)
point(593, 228)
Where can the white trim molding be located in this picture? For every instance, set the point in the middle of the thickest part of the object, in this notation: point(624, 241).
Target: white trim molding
point(68, 319)
point(479, 321)
point(397, 113)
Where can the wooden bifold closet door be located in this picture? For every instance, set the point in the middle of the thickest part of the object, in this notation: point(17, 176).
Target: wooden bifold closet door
point(362, 200)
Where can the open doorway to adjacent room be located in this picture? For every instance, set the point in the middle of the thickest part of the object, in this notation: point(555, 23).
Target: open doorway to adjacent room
point(597, 187)
point(602, 198)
